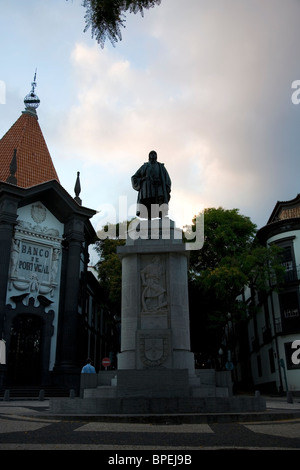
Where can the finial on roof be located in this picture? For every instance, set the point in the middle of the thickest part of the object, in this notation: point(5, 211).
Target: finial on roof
point(31, 100)
point(77, 189)
point(13, 169)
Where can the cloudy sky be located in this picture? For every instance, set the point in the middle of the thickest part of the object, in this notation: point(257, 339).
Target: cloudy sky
point(205, 83)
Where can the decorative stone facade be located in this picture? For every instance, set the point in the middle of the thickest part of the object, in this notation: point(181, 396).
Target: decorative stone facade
point(44, 236)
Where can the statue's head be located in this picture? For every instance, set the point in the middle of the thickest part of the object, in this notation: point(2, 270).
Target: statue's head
point(152, 156)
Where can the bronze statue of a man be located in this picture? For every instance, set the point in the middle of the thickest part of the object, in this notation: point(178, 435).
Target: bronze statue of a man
point(153, 183)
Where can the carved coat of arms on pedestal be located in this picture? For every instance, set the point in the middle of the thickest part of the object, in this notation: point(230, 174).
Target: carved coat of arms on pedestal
point(153, 348)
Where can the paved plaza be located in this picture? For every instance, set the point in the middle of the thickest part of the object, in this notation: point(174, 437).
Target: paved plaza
point(28, 425)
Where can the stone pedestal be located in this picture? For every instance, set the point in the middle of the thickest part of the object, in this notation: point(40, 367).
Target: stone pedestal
point(155, 313)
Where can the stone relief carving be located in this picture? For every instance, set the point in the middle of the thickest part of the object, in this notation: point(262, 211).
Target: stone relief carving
point(35, 257)
point(154, 349)
point(33, 269)
point(154, 295)
point(38, 212)
point(14, 258)
point(54, 264)
point(37, 230)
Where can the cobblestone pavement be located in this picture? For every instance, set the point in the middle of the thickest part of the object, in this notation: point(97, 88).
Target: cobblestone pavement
point(28, 425)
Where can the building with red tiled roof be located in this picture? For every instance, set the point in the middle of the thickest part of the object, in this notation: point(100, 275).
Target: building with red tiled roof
point(48, 309)
point(24, 155)
point(26, 142)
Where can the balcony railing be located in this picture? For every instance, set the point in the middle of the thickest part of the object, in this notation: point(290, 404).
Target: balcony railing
point(292, 274)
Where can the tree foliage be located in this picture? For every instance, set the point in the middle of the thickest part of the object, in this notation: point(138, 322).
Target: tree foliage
point(231, 260)
point(105, 18)
point(226, 234)
point(109, 268)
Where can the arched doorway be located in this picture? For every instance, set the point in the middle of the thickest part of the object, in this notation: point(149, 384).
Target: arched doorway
point(24, 359)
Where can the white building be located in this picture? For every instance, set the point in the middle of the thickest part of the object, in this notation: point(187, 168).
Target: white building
point(275, 327)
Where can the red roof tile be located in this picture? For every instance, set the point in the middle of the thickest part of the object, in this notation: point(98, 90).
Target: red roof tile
point(34, 163)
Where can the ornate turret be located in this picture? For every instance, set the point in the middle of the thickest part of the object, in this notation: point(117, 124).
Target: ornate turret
point(31, 100)
point(24, 155)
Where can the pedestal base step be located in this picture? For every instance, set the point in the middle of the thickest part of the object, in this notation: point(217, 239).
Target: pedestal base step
point(155, 406)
